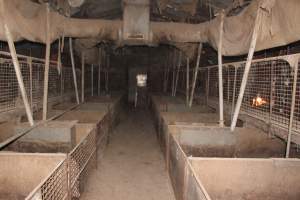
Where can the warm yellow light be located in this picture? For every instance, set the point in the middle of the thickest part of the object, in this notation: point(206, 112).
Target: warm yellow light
point(258, 101)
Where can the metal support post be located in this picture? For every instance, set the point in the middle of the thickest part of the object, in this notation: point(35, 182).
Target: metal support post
point(16, 63)
point(29, 61)
point(74, 70)
point(220, 70)
point(195, 74)
point(234, 91)
point(47, 65)
point(178, 71)
point(256, 29)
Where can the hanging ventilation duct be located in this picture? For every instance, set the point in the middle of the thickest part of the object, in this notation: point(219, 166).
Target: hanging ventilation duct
point(136, 22)
point(279, 21)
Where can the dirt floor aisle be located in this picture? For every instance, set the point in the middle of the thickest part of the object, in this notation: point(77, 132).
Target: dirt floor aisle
point(133, 167)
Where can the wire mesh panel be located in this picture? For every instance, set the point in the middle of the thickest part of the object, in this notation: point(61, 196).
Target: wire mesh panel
point(33, 78)
point(239, 77)
point(54, 88)
point(8, 87)
point(79, 159)
point(87, 82)
point(226, 83)
point(55, 187)
point(26, 79)
point(202, 76)
point(213, 82)
point(231, 79)
point(296, 121)
point(68, 80)
point(281, 85)
point(256, 97)
point(37, 83)
point(268, 93)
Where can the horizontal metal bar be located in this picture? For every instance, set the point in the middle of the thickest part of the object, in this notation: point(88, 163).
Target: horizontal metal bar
point(284, 57)
point(26, 57)
point(17, 136)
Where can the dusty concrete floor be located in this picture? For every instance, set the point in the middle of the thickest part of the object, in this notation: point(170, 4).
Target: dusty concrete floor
point(133, 167)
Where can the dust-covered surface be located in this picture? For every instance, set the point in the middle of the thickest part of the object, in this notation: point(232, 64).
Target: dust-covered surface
point(250, 143)
point(83, 116)
point(225, 151)
point(39, 147)
point(7, 130)
point(257, 144)
point(104, 98)
point(103, 107)
point(187, 117)
point(133, 166)
point(64, 106)
point(9, 196)
point(249, 179)
point(21, 173)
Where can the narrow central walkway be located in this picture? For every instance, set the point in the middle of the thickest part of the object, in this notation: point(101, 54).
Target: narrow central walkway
point(133, 166)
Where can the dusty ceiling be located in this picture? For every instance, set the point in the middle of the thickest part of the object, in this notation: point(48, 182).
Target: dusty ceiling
point(161, 10)
point(237, 29)
point(191, 11)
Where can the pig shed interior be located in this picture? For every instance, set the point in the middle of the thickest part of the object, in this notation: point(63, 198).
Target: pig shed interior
point(149, 99)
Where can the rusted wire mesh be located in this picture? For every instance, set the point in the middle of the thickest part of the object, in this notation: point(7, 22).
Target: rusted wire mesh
point(65, 180)
point(79, 158)
point(55, 187)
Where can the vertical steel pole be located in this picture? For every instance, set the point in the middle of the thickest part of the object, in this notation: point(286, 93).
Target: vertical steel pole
point(74, 70)
point(247, 68)
point(233, 93)
point(59, 57)
point(82, 77)
point(220, 70)
point(13, 53)
point(288, 146)
point(187, 94)
point(47, 65)
point(195, 75)
point(178, 70)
